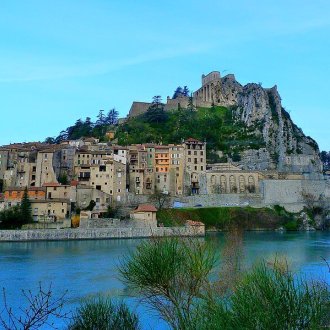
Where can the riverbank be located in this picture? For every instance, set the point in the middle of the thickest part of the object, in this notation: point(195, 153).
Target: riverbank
point(97, 233)
point(246, 218)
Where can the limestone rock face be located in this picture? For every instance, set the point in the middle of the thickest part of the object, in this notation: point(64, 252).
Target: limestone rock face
point(287, 148)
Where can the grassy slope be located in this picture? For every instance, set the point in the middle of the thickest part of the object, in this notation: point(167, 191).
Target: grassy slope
point(215, 125)
point(222, 218)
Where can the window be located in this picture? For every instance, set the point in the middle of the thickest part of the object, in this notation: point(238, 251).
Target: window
point(97, 200)
point(189, 152)
point(195, 152)
point(62, 210)
point(202, 168)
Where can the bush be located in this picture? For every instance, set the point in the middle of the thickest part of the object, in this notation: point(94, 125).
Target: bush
point(173, 277)
point(291, 225)
point(103, 314)
point(272, 298)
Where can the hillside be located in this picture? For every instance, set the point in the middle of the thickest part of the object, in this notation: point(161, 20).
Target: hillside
point(243, 124)
point(217, 126)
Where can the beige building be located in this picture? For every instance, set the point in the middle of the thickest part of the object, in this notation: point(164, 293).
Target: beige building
point(145, 215)
point(55, 190)
point(44, 168)
point(162, 168)
point(137, 158)
point(195, 167)
point(50, 210)
point(176, 169)
point(226, 178)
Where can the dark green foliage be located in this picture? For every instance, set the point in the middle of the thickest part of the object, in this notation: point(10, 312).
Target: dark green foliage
point(217, 127)
point(87, 128)
point(222, 218)
point(63, 178)
point(103, 314)
point(112, 117)
point(25, 208)
point(112, 211)
point(177, 92)
point(90, 206)
point(272, 105)
point(156, 113)
point(170, 274)
point(181, 92)
point(173, 277)
point(11, 218)
point(272, 298)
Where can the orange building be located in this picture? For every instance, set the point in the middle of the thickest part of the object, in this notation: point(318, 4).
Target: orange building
point(16, 194)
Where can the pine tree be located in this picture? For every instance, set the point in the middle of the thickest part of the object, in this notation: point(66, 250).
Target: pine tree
point(26, 209)
point(185, 91)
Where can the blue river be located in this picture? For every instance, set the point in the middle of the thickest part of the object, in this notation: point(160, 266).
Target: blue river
point(89, 268)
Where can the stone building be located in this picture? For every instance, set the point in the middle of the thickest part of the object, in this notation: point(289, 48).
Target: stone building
point(45, 167)
point(208, 94)
point(224, 178)
point(176, 169)
point(162, 168)
point(144, 215)
point(139, 108)
point(195, 167)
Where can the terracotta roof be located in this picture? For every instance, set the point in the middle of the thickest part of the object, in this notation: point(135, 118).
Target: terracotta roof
point(51, 184)
point(194, 223)
point(192, 140)
point(145, 208)
point(23, 188)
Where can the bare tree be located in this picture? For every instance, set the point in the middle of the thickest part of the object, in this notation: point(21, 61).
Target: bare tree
point(39, 308)
point(160, 199)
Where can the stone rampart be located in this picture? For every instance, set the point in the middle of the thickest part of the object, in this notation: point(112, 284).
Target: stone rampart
point(289, 193)
point(98, 233)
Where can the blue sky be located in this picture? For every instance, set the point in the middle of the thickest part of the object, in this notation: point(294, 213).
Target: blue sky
point(65, 60)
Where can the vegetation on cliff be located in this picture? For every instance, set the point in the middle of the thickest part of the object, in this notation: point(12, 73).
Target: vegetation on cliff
point(215, 125)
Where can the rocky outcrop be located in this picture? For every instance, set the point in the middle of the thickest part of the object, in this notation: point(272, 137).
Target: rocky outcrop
point(287, 149)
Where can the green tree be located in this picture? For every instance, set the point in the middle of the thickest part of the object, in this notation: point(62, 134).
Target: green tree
point(185, 91)
point(63, 178)
point(156, 113)
point(25, 208)
point(178, 92)
point(112, 117)
point(10, 218)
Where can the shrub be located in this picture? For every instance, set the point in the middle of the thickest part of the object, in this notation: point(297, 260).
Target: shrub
point(272, 298)
point(103, 314)
point(173, 277)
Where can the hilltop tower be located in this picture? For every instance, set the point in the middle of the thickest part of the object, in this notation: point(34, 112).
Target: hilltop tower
point(209, 92)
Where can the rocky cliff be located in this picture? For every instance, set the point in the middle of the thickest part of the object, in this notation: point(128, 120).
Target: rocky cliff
point(287, 149)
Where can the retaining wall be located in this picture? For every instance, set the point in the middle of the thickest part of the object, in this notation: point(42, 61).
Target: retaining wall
point(98, 233)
